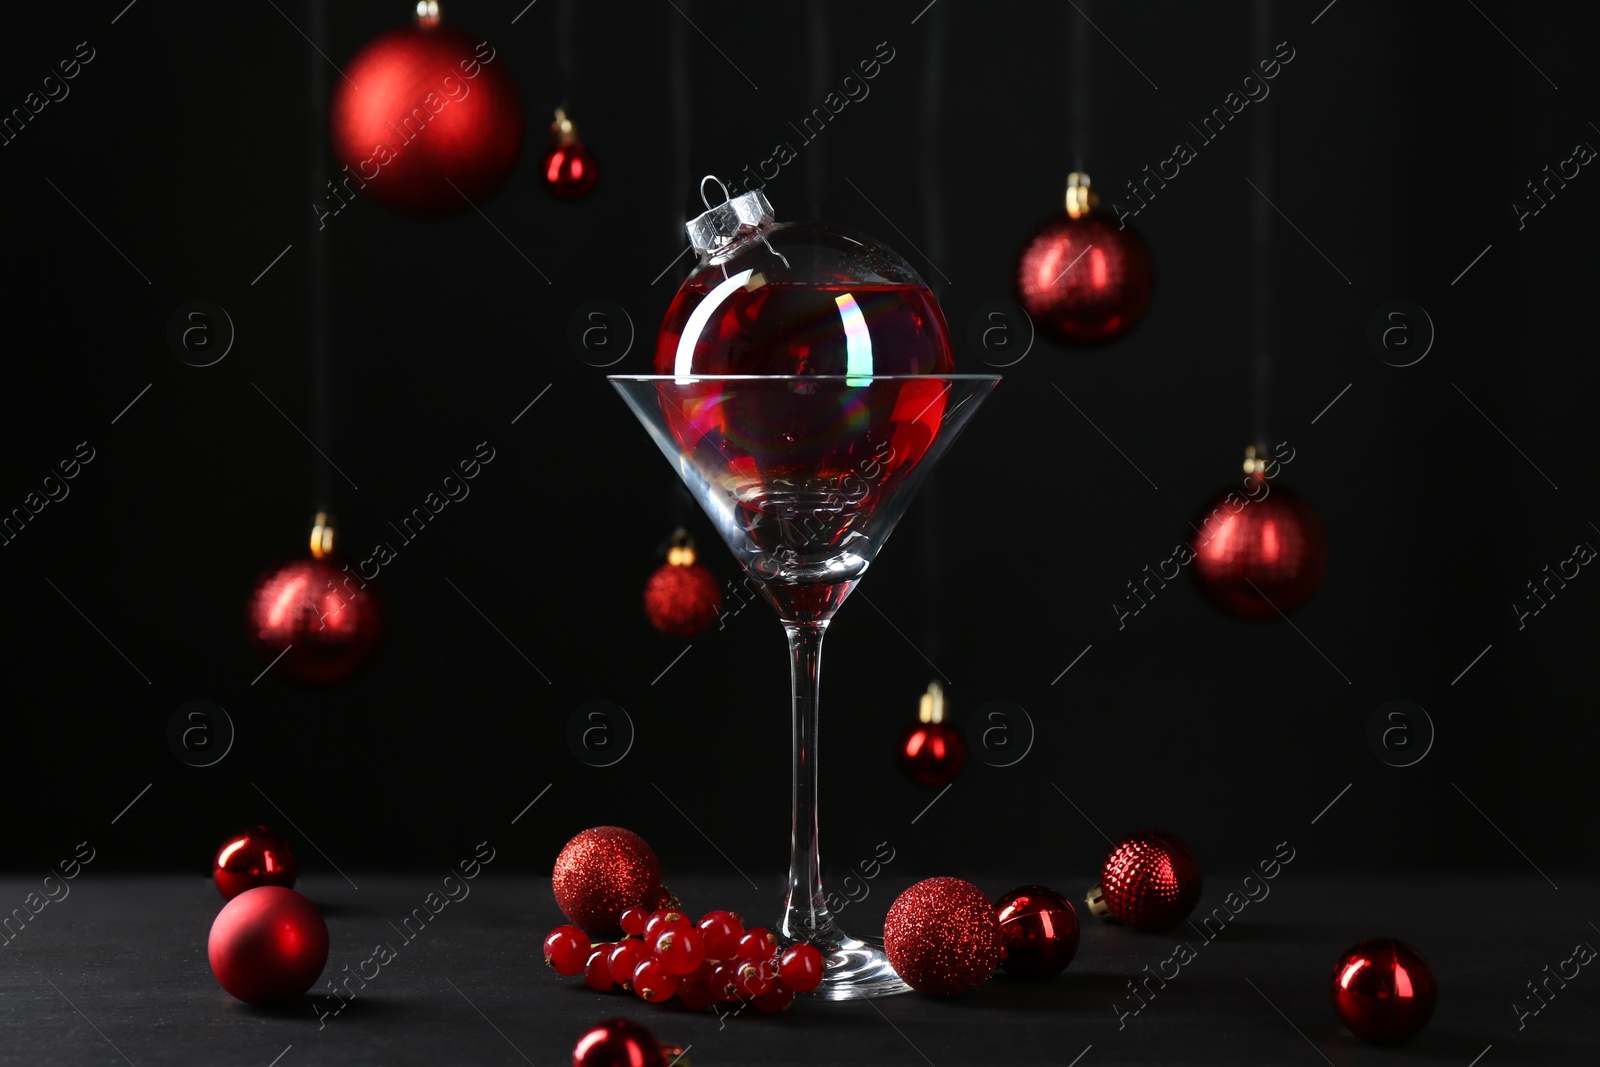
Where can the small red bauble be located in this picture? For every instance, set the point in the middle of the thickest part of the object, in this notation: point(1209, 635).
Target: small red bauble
point(933, 752)
point(569, 170)
point(682, 598)
point(1383, 990)
point(427, 120)
point(1149, 881)
point(251, 858)
point(316, 614)
point(942, 937)
point(1259, 550)
point(1083, 278)
point(601, 872)
point(620, 1043)
point(1041, 931)
point(268, 945)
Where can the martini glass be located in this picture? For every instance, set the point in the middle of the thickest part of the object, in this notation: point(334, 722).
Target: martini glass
point(805, 477)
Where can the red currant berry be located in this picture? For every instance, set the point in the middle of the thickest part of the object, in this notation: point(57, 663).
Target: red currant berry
point(777, 998)
point(754, 977)
point(624, 958)
point(800, 967)
point(725, 982)
point(566, 950)
point(597, 972)
point(758, 944)
point(632, 921)
point(680, 949)
point(694, 988)
point(653, 982)
point(661, 921)
point(722, 931)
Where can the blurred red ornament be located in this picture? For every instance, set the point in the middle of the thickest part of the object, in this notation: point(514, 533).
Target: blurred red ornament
point(1260, 551)
point(268, 945)
point(623, 1043)
point(1150, 881)
point(942, 937)
point(426, 120)
point(1041, 931)
point(318, 617)
point(569, 170)
point(933, 751)
point(601, 872)
point(682, 598)
point(251, 858)
point(1084, 278)
point(1383, 990)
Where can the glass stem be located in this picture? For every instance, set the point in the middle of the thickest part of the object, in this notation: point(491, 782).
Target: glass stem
point(806, 916)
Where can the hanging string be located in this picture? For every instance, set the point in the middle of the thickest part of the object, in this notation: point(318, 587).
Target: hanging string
point(1261, 339)
point(321, 385)
point(819, 89)
point(927, 503)
point(566, 62)
point(1080, 85)
point(678, 49)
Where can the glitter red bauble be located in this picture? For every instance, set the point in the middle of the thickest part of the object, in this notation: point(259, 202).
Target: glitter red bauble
point(1041, 931)
point(1149, 881)
point(682, 600)
point(1383, 990)
point(933, 753)
point(619, 1043)
point(601, 872)
point(942, 937)
point(251, 858)
point(1258, 553)
point(268, 945)
point(1084, 281)
point(569, 171)
point(321, 614)
point(427, 120)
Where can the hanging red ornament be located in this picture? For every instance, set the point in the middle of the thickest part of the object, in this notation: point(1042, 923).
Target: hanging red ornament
point(268, 945)
point(682, 598)
point(600, 873)
point(1041, 931)
point(932, 752)
point(1258, 552)
point(312, 621)
point(624, 1043)
point(251, 858)
point(1383, 990)
point(569, 170)
point(1083, 277)
point(1149, 881)
point(942, 937)
point(427, 120)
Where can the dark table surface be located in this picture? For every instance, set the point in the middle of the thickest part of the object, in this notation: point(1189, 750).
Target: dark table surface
point(116, 972)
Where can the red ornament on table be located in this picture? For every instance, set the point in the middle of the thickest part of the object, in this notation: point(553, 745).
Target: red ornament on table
point(942, 937)
point(623, 1043)
point(268, 945)
point(933, 751)
point(1259, 551)
point(315, 614)
point(569, 170)
point(1041, 931)
point(601, 872)
point(251, 858)
point(1149, 881)
point(1384, 990)
point(1083, 277)
point(682, 598)
point(427, 120)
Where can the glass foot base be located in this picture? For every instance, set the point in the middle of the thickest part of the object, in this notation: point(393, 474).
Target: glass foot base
point(858, 969)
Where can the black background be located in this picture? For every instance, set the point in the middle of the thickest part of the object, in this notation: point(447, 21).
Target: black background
point(1401, 134)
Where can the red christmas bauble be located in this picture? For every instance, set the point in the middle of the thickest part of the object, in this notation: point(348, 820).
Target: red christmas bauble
point(942, 937)
point(682, 598)
point(1260, 552)
point(254, 857)
point(1085, 279)
point(267, 945)
point(569, 168)
point(620, 1043)
point(1149, 881)
point(321, 614)
point(602, 871)
point(1384, 990)
point(1041, 931)
point(427, 121)
point(933, 751)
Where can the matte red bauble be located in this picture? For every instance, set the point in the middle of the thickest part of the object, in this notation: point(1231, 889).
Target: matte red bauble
point(268, 945)
point(1149, 881)
point(569, 168)
point(315, 615)
point(1041, 931)
point(1083, 278)
point(942, 937)
point(933, 751)
point(1259, 550)
point(601, 872)
point(623, 1043)
point(252, 858)
point(426, 120)
point(1383, 990)
point(682, 598)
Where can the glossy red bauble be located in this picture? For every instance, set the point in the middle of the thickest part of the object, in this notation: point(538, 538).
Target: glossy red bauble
point(252, 858)
point(1149, 881)
point(320, 614)
point(1383, 990)
point(1259, 552)
point(933, 753)
point(1041, 931)
point(426, 120)
point(682, 600)
point(268, 945)
point(942, 937)
point(618, 1043)
point(569, 171)
point(1084, 280)
point(601, 872)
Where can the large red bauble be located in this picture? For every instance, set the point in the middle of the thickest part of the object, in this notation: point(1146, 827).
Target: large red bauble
point(1041, 931)
point(942, 937)
point(682, 600)
point(1083, 280)
point(618, 1043)
point(320, 613)
point(252, 858)
point(1383, 990)
point(1149, 881)
point(427, 120)
point(1258, 554)
point(601, 872)
point(933, 753)
point(267, 945)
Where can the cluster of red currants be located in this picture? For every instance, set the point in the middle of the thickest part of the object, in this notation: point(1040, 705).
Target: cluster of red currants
point(713, 962)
